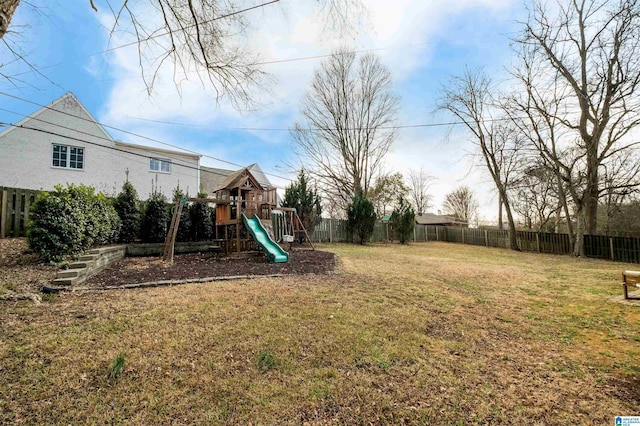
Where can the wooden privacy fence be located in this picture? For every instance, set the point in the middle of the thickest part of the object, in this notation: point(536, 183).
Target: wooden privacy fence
point(619, 249)
point(14, 210)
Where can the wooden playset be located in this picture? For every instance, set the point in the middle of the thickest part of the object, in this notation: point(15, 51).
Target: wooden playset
point(248, 219)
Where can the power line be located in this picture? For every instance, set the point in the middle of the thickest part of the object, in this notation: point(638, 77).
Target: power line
point(136, 134)
point(151, 37)
point(288, 129)
point(83, 133)
point(109, 147)
point(173, 123)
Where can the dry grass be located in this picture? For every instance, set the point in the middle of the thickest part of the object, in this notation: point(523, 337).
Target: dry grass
point(432, 333)
point(21, 272)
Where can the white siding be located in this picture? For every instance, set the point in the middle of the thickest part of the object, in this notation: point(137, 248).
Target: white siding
point(184, 170)
point(26, 156)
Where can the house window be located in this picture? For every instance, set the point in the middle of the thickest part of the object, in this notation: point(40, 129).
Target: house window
point(162, 166)
point(68, 157)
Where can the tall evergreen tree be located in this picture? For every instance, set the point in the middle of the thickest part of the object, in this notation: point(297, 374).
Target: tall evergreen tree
point(201, 220)
point(403, 220)
point(305, 200)
point(155, 219)
point(361, 217)
point(127, 205)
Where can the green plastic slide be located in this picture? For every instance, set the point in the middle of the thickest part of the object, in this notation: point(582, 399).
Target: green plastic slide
point(273, 251)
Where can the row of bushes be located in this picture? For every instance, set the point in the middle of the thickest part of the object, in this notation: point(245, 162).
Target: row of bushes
point(361, 219)
point(69, 220)
point(196, 221)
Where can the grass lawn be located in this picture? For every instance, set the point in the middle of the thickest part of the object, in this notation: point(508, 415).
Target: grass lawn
point(431, 333)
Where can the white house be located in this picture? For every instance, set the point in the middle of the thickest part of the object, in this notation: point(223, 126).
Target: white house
point(62, 143)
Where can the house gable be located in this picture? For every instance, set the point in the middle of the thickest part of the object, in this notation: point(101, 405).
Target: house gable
point(32, 152)
point(66, 116)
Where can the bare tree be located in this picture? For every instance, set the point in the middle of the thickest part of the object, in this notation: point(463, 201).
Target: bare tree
point(198, 38)
point(619, 185)
point(7, 9)
point(471, 100)
point(461, 203)
point(348, 124)
point(419, 184)
point(386, 192)
point(590, 51)
point(535, 111)
point(535, 198)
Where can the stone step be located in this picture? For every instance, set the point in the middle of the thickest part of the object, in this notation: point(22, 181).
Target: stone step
point(69, 273)
point(64, 281)
point(80, 264)
point(88, 257)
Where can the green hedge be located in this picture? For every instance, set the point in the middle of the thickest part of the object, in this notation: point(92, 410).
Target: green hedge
point(67, 221)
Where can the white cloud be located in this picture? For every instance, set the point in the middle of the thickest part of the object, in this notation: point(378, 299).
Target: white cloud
point(406, 29)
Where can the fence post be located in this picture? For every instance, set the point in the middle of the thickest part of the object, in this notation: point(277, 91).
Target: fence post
point(414, 234)
point(331, 230)
point(437, 236)
point(426, 237)
point(613, 256)
point(26, 208)
point(3, 214)
point(462, 235)
point(486, 238)
point(538, 241)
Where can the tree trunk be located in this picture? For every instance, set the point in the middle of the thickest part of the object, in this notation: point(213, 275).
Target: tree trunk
point(572, 237)
point(591, 197)
point(7, 8)
point(578, 248)
point(500, 212)
point(562, 200)
point(513, 240)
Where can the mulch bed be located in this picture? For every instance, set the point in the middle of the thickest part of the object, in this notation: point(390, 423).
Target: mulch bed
point(134, 270)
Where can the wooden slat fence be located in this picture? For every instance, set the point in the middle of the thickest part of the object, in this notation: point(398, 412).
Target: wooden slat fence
point(15, 204)
point(331, 231)
point(14, 210)
point(620, 249)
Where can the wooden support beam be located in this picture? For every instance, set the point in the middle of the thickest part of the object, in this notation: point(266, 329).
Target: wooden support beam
point(16, 214)
point(209, 200)
point(27, 209)
point(304, 229)
point(170, 241)
point(3, 214)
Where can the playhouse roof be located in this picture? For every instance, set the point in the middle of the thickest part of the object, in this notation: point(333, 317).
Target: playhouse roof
point(241, 178)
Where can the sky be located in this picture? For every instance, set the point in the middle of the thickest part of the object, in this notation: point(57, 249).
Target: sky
point(422, 44)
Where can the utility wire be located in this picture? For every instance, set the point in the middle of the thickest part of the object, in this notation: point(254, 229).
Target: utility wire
point(288, 129)
point(86, 134)
point(135, 134)
point(21, 126)
point(151, 37)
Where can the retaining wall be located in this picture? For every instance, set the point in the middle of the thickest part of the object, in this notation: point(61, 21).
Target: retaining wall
point(96, 260)
point(89, 264)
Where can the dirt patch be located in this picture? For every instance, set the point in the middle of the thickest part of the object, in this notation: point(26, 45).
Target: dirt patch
point(20, 270)
point(203, 265)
